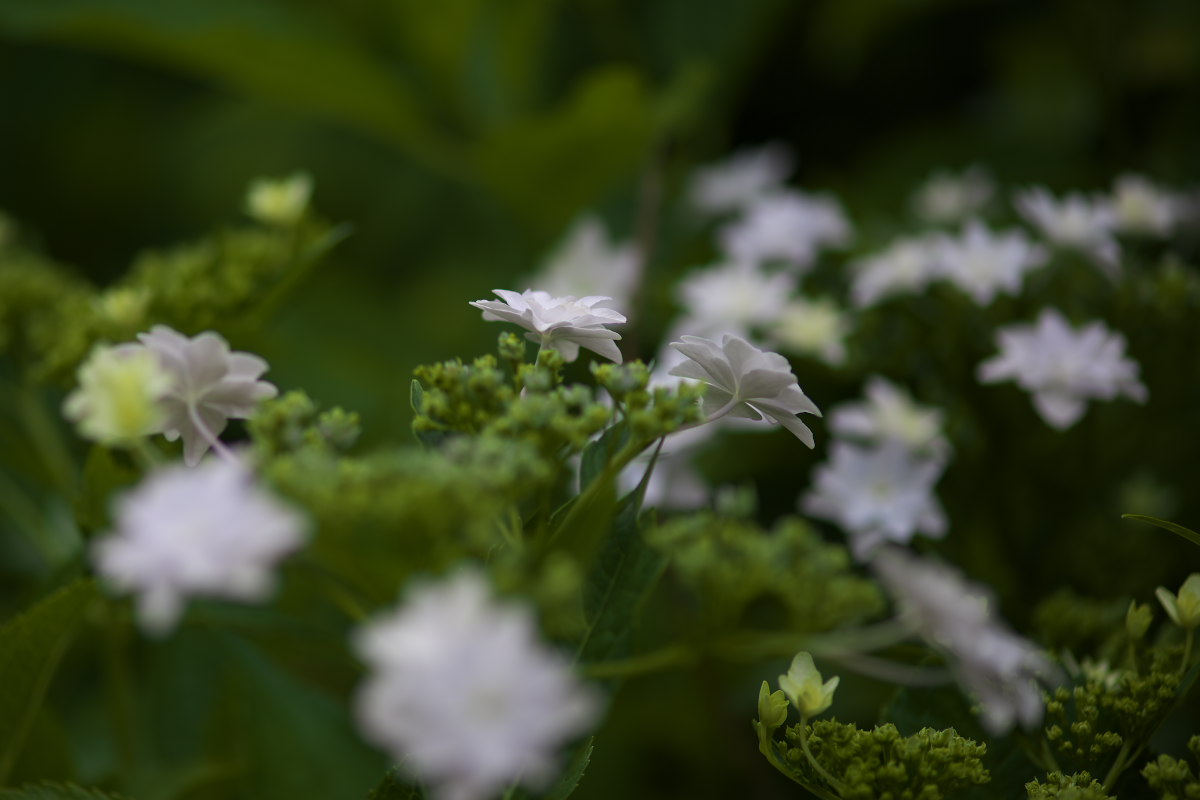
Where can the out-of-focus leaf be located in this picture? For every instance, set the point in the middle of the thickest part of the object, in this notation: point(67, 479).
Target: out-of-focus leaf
point(55, 791)
point(104, 473)
point(598, 453)
point(1190, 535)
point(393, 786)
point(572, 774)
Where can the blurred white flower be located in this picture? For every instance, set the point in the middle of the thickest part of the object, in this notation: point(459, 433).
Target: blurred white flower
point(983, 264)
point(958, 617)
point(890, 414)
point(463, 694)
point(562, 323)
point(1141, 207)
point(907, 266)
point(877, 494)
point(732, 184)
point(120, 394)
point(209, 386)
point(948, 197)
point(208, 531)
point(812, 327)
point(786, 226)
point(1064, 368)
point(744, 381)
point(586, 263)
point(279, 201)
point(1075, 222)
point(733, 297)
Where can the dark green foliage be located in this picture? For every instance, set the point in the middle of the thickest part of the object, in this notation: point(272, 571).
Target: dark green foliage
point(1172, 778)
point(1058, 786)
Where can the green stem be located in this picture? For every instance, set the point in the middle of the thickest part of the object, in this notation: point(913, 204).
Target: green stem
point(1118, 766)
point(148, 456)
point(833, 782)
point(120, 691)
point(675, 656)
point(1188, 638)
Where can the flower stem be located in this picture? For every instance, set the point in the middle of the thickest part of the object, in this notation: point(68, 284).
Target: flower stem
point(1118, 767)
point(1188, 639)
point(833, 782)
point(674, 656)
point(217, 445)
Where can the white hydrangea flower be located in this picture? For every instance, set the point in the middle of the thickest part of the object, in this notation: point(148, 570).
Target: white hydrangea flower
point(877, 494)
point(1074, 222)
point(786, 226)
point(744, 381)
point(907, 266)
point(815, 327)
point(208, 531)
point(462, 693)
point(734, 296)
point(562, 323)
point(210, 385)
point(1064, 368)
point(991, 662)
point(735, 182)
point(279, 201)
point(947, 197)
point(804, 688)
point(983, 264)
point(890, 414)
point(120, 394)
point(586, 263)
point(1141, 207)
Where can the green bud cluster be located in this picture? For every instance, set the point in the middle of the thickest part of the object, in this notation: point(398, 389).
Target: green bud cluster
point(1058, 786)
point(1172, 778)
point(461, 398)
point(1067, 621)
point(651, 412)
point(292, 422)
point(33, 289)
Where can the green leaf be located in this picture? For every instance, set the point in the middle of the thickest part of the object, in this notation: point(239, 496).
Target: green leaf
point(104, 473)
point(31, 646)
point(393, 786)
point(573, 773)
point(1190, 535)
point(416, 396)
point(599, 453)
point(55, 791)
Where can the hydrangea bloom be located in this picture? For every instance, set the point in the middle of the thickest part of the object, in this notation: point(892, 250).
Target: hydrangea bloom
point(786, 226)
point(1075, 222)
point(990, 661)
point(733, 297)
point(1141, 207)
point(120, 394)
point(209, 386)
point(877, 494)
point(982, 263)
point(746, 382)
point(588, 264)
point(562, 323)
point(1064, 368)
point(812, 327)
point(907, 266)
point(463, 694)
point(890, 414)
point(947, 198)
point(279, 201)
point(746, 175)
point(210, 531)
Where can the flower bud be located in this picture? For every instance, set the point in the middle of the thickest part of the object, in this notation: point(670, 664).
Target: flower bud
point(1183, 608)
point(1137, 619)
point(280, 201)
point(802, 685)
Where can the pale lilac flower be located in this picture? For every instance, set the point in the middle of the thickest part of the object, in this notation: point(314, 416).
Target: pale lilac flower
point(889, 414)
point(562, 323)
point(464, 695)
point(1142, 207)
point(744, 381)
point(957, 617)
point(1063, 367)
point(208, 531)
point(209, 386)
point(877, 494)
point(745, 176)
point(947, 197)
point(786, 226)
point(1075, 222)
point(733, 297)
point(586, 263)
point(983, 264)
point(907, 266)
point(815, 327)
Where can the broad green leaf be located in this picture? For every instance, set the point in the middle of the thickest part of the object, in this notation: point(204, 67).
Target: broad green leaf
point(598, 454)
point(55, 791)
point(572, 774)
point(1190, 535)
point(31, 646)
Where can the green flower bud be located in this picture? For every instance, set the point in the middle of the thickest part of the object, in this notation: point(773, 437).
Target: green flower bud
point(1138, 619)
point(802, 685)
point(281, 201)
point(511, 347)
point(1183, 608)
point(772, 708)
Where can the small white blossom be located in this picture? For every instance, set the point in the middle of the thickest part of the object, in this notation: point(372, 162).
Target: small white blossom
point(279, 201)
point(120, 394)
point(744, 381)
point(947, 198)
point(1141, 207)
point(890, 414)
point(803, 687)
point(812, 327)
point(743, 177)
point(983, 264)
point(907, 266)
point(586, 263)
point(462, 693)
point(786, 226)
point(1075, 222)
point(208, 531)
point(1064, 368)
point(877, 494)
point(210, 385)
point(1183, 608)
point(562, 323)
point(991, 662)
point(735, 296)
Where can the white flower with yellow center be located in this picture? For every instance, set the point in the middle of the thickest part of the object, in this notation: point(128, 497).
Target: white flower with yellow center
point(890, 414)
point(948, 197)
point(120, 395)
point(562, 323)
point(1142, 207)
point(907, 266)
point(733, 297)
point(984, 264)
point(812, 327)
point(1075, 222)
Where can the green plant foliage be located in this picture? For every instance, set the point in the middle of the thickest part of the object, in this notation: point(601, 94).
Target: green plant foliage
point(1058, 786)
point(55, 791)
point(1172, 778)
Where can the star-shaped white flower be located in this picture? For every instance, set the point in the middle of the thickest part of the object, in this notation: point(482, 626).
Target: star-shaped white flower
point(814, 327)
point(209, 531)
point(734, 296)
point(1141, 207)
point(786, 226)
point(562, 323)
point(890, 414)
point(983, 264)
point(744, 381)
point(947, 197)
point(210, 385)
point(907, 266)
point(737, 181)
point(587, 263)
point(1064, 368)
point(1075, 222)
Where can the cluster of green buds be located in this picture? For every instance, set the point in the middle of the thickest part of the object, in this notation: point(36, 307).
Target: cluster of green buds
point(1079, 786)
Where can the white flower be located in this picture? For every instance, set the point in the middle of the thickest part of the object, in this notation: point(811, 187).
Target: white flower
point(877, 494)
point(982, 263)
point(1183, 608)
point(890, 414)
point(1064, 368)
point(1075, 222)
point(1141, 207)
point(562, 323)
point(907, 266)
point(208, 531)
point(462, 693)
point(803, 687)
point(746, 175)
point(946, 197)
point(209, 386)
point(120, 394)
point(744, 381)
point(587, 263)
point(990, 661)
point(812, 327)
point(786, 226)
point(279, 201)
point(735, 296)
